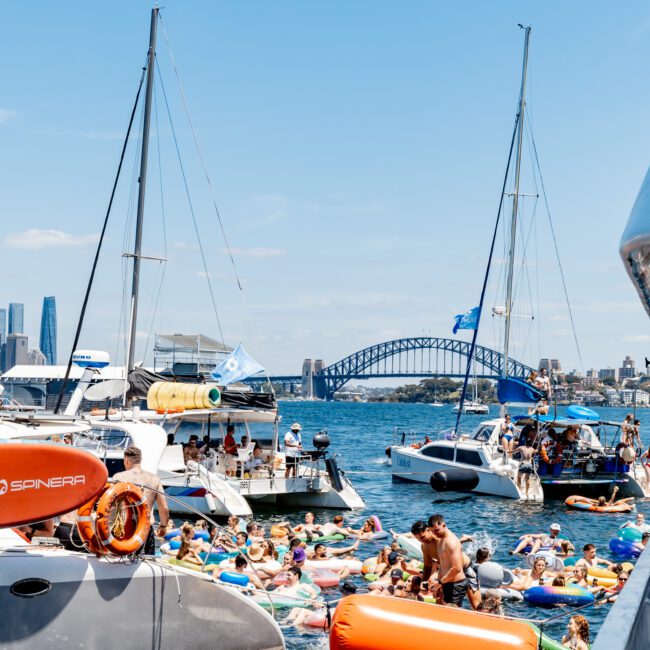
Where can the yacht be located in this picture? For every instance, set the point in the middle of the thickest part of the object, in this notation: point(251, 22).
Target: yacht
point(465, 463)
point(472, 407)
point(319, 482)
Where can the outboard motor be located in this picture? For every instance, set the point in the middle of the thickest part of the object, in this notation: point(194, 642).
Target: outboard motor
point(454, 480)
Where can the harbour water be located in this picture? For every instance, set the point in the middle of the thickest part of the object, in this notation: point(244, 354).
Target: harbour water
point(360, 432)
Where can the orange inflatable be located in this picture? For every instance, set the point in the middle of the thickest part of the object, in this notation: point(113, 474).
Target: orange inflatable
point(591, 505)
point(129, 539)
point(39, 481)
point(86, 524)
point(364, 622)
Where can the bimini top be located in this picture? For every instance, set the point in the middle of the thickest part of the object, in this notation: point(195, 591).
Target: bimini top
point(635, 243)
point(555, 421)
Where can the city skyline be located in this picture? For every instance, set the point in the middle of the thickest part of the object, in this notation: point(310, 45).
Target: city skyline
point(357, 187)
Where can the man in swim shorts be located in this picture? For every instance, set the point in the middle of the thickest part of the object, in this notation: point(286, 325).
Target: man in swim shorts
point(526, 455)
point(450, 555)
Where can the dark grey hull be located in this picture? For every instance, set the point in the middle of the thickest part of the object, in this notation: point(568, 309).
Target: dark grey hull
point(94, 604)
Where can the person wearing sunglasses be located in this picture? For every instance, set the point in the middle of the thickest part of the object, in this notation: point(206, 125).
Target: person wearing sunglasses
point(621, 581)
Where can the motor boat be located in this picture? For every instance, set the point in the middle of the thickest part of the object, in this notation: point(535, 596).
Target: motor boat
point(464, 463)
point(473, 407)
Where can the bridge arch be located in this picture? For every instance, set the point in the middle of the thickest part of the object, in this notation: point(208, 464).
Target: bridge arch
point(450, 360)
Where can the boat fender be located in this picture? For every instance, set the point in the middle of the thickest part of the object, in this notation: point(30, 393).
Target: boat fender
point(454, 479)
point(234, 578)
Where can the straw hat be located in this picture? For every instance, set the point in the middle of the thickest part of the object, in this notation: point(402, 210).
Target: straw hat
point(255, 552)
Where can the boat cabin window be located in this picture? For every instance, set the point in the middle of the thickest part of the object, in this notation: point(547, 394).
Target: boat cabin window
point(469, 457)
point(105, 438)
point(484, 434)
point(435, 451)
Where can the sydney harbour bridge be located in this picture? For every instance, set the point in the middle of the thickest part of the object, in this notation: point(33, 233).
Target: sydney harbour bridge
point(419, 357)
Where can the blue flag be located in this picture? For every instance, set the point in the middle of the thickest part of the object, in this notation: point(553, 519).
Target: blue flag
point(239, 365)
point(468, 320)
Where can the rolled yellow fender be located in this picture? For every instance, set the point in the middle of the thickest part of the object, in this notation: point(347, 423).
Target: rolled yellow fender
point(362, 622)
point(174, 396)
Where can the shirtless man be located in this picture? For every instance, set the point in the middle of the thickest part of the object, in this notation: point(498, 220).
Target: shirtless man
point(526, 455)
point(153, 492)
point(192, 452)
point(589, 558)
point(432, 551)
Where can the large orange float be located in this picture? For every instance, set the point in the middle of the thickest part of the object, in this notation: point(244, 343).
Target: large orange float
point(372, 623)
point(39, 481)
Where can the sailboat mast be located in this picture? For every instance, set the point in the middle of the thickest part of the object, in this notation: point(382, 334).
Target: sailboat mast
point(515, 205)
point(142, 180)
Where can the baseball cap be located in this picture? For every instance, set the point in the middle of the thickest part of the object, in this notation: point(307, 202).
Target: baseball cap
point(392, 557)
point(299, 554)
point(556, 527)
point(397, 573)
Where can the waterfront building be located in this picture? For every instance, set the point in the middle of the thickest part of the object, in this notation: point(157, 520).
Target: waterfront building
point(16, 318)
point(627, 396)
point(591, 382)
point(612, 396)
point(36, 358)
point(47, 341)
point(17, 350)
point(627, 370)
point(607, 373)
point(3, 325)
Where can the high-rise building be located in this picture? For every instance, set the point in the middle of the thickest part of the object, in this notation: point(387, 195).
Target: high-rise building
point(550, 365)
point(627, 370)
point(17, 351)
point(607, 373)
point(36, 358)
point(47, 341)
point(16, 318)
point(3, 325)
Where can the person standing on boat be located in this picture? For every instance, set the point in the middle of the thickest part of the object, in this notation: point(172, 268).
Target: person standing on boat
point(627, 430)
point(292, 449)
point(507, 435)
point(153, 492)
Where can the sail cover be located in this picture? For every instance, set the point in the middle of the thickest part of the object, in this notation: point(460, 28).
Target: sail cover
point(517, 392)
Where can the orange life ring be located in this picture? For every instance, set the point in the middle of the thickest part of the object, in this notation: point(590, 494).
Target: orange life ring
point(86, 524)
point(131, 540)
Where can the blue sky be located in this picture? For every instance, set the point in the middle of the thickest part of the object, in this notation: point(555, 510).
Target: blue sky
point(356, 152)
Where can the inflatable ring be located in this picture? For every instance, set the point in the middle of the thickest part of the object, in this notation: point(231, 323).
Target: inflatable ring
point(377, 523)
point(546, 595)
point(86, 524)
point(131, 541)
point(622, 547)
point(582, 503)
point(630, 534)
point(278, 531)
point(234, 578)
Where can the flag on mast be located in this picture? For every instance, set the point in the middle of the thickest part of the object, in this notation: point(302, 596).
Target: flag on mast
point(468, 320)
point(237, 366)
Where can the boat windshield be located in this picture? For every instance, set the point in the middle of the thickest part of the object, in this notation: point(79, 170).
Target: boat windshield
point(103, 438)
point(484, 433)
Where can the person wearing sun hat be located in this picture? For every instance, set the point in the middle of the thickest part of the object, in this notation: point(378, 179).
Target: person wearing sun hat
point(292, 449)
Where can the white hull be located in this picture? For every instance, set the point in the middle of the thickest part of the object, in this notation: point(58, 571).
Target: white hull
point(53, 599)
point(495, 479)
point(473, 408)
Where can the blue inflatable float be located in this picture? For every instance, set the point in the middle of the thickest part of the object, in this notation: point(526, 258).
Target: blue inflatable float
point(576, 412)
point(547, 595)
point(624, 547)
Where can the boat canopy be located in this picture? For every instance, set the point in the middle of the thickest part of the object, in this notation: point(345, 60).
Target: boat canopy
point(517, 392)
point(555, 421)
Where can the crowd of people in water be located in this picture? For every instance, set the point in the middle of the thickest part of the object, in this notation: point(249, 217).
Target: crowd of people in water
point(447, 574)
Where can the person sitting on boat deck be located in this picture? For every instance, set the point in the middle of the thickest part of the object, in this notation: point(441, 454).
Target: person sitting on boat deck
point(191, 450)
point(335, 527)
point(525, 469)
point(589, 558)
point(153, 492)
point(188, 554)
point(577, 636)
point(292, 449)
point(255, 462)
point(507, 435)
point(539, 541)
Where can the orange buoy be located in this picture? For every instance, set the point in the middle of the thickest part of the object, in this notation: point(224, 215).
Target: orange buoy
point(362, 622)
point(86, 523)
point(131, 540)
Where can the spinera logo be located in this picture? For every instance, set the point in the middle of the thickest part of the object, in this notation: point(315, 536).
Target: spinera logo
point(41, 483)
